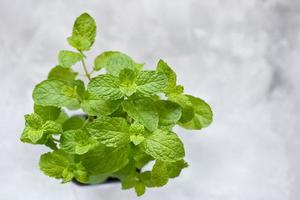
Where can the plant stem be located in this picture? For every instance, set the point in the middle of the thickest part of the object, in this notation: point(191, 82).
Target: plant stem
point(84, 67)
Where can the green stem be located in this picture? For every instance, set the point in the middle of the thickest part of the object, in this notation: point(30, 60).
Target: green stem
point(84, 66)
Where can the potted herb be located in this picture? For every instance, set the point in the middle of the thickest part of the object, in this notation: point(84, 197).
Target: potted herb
point(130, 114)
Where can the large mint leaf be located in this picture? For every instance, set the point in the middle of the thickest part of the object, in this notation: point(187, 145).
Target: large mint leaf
point(113, 62)
point(67, 59)
point(61, 73)
point(142, 110)
point(73, 123)
point(203, 115)
point(110, 131)
point(56, 93)
point(105, 86)
point(164, 146)
point(103, 160)
point(174, 168)
point(76, 141)
point(31, 135)
point(59, 164)
point(97, 106)
point(169, 112)
point(159, 174)
point(47, 112)
point(151, 82)
point(186, 106)
point(84, 32)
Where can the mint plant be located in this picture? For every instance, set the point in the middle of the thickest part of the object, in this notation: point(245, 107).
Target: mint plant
point(128, 121)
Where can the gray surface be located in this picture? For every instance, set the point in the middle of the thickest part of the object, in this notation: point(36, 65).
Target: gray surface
point(242, 56)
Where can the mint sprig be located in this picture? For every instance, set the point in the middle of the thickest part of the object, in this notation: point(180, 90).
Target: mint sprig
point(127, 120)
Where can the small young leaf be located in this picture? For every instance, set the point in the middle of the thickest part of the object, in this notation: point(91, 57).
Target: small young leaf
point(84, 32)
point(67, 59)
point(34, 120)
point(31, 134)
point(52, 127)
point(127, 81)
point(139, 188)
point(164, 146)
point(60, 73)
point(174, 168)
point(151, 82)
point(136, 130)
point(164, 68)
point(105, 86)
point(142, 110)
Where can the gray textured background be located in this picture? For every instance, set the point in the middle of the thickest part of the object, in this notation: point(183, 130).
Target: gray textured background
point(242, 56)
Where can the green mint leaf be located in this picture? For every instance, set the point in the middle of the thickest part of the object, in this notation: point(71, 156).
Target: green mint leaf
point(67, 59)
point(127, 81)
point(169, 112)
point(139, 188)
point(97, 106)
point(102, 159)
point(84, 32)
point(203, 115)
point(55, 93)
point(142, 110)
point(164, 68)
point(110, 131)
point(79, 87)
point(47, 112)
point(174, 168)
point(73, 123)
point(186, 106)
point(52, 127)
point(114, 62)
point(31, 135)
point(60, 73)
point(146, 178)
point(159, 174)
point(151, 82)
point(63, 116)
point(105, 86)
point(127, 172)
point(35, 129)
point(164, 146)
point(140, 157)
point(76, 142)
point(136, 130)
point(137, 139)
point(53, 164)
point(59, 164)
point(34, 120)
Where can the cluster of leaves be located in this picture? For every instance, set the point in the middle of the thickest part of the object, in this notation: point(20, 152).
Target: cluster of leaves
point(130, 114)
